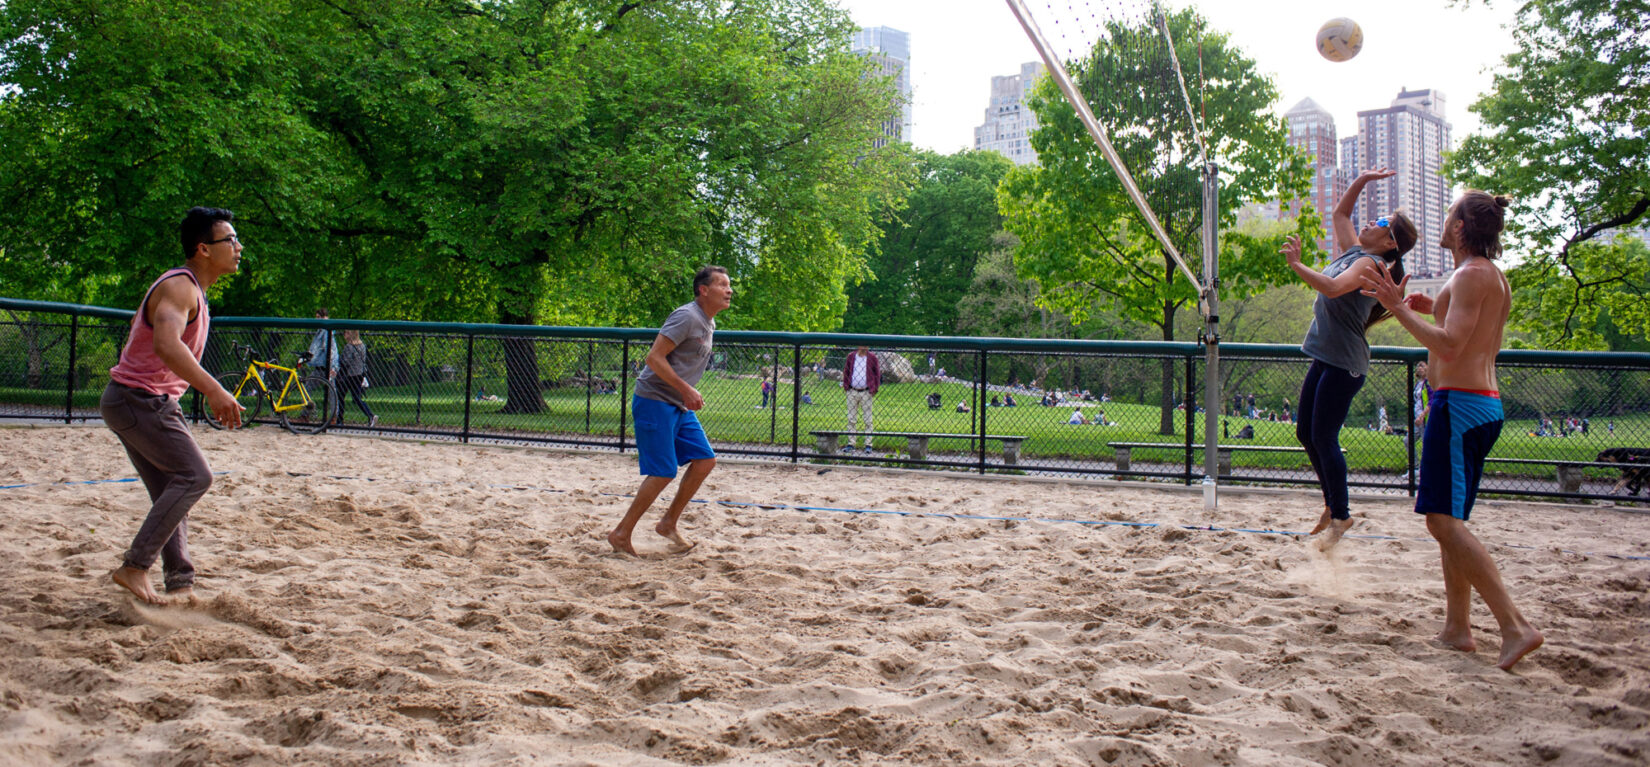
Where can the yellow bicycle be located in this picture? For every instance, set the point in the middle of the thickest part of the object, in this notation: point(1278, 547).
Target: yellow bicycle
point(301, 401)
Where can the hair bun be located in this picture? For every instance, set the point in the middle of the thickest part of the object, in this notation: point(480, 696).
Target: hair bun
point(1501, 200)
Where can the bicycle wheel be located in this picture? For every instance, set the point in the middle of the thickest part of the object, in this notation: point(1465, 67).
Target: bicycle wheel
point(251, 399)
point(312, 417)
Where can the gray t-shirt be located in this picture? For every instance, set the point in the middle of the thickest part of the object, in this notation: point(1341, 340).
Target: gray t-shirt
point(1336, 336)
point(691, 329)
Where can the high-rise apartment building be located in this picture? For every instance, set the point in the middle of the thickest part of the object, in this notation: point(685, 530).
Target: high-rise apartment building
point(1008, 122)
point(1410, 137)
point(1312, 130)
point(890, 51)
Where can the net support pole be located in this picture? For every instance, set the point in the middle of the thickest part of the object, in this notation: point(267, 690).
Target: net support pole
point(1211, 337)
point(1057, 70)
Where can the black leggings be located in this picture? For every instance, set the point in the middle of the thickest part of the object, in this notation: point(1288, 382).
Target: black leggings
point(352, 387)
point(1326, 396)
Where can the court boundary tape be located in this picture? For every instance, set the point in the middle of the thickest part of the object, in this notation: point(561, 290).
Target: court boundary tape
point(883, 512)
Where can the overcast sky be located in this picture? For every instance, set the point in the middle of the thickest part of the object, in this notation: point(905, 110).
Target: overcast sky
point(958, 45)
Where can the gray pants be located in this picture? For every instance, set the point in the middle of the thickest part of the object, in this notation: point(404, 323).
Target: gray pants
point(172, 468)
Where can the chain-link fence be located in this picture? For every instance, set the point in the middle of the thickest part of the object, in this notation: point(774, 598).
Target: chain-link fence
point(1578, 424)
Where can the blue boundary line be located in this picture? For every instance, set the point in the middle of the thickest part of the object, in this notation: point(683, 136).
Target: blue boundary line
point(884, 512)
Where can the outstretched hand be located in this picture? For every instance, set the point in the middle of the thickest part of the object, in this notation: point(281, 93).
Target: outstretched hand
point(1379, 284)
point(1291, 250)
point(1376, 174)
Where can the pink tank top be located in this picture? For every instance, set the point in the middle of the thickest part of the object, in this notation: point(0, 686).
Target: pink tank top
point(139, 367)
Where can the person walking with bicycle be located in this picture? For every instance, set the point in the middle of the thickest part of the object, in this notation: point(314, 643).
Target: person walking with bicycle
point(353, 361)
point(159, 362)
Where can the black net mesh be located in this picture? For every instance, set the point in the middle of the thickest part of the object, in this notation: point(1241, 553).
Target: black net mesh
point(1576, 424)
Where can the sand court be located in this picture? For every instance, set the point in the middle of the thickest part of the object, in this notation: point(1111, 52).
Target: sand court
point(377, 601)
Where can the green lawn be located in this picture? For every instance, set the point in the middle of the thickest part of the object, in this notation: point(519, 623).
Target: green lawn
point(731, 415)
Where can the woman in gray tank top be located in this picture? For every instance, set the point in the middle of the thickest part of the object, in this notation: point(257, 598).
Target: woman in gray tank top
point(1336, 342)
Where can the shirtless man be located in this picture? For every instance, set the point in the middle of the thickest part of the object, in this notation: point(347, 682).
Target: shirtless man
point(668, 434)
point(1465, 417)
point(160, 361)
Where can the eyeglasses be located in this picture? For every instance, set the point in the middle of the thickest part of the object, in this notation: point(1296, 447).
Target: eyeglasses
point(237, 240)
point(1383, 222)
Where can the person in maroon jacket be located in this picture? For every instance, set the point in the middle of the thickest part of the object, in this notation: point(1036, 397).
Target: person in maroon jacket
point(861, 375)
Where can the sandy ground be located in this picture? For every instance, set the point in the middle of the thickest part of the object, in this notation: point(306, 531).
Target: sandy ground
point(375, 601)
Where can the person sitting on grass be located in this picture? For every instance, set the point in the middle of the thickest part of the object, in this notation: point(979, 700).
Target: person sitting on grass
point(1008, 401)
point(962, 407)
point(1078, 418)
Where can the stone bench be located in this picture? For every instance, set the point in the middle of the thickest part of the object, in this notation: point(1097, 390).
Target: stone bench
point(1123, 452)
point(1570, 473)
point(827, 442)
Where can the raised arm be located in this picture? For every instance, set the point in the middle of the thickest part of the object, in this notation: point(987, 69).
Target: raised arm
point(1346, 233)
point(1339, 285)
point(1470, 290)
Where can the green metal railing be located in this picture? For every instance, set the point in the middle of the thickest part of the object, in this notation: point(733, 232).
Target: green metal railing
point(571, 386)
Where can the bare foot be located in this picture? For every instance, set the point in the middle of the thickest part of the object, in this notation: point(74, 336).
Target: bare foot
point(1332, 536)
point(137, 582)
point(678, 544)
point(1515, 646)
point(621, 543)
point(184, 596)
point(1458, 640)
point(1323, 522)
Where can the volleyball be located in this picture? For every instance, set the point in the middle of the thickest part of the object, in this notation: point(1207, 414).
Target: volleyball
point(1340, 39)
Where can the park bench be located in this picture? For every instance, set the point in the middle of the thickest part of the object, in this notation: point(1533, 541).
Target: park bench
point(917, 442)
point(1123, 451)
point(1570, 473)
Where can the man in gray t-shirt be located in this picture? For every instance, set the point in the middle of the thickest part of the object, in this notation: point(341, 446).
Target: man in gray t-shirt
point(689, 328)
point(664, 410)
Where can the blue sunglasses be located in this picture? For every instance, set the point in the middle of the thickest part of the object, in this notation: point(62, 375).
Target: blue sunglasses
point(1383, 222)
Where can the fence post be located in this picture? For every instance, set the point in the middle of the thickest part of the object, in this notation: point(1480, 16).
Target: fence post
point(979, 407)
point(624, 390)
point(68, 392)
point(589, 381)
point(1409, 377)
point(773, 404)
point(1187, 400)
point(469, 380)
point(796, 399)
point(418, 383)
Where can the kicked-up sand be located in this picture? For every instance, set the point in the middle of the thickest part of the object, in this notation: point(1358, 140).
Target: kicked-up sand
point(375, 601)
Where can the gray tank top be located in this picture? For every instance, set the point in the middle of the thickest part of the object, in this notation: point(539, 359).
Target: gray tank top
point(1336, 336)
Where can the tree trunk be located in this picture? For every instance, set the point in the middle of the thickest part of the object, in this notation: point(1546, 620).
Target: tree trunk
point(521, 368)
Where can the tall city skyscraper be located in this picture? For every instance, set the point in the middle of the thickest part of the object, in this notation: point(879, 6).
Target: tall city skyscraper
point(1008, 122)
point(1312, 130)
point(890, 50)
point(1410, 137)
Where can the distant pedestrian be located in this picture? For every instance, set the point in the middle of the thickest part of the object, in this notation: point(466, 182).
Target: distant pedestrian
point(353, 361)
point(861, 376)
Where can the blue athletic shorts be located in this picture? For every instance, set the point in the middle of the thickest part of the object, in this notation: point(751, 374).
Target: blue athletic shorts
point(667, 437)
point(1459, 433)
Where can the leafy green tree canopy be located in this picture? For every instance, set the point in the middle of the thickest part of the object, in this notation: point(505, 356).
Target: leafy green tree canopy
point(1566, 134)
point(567, 162)
point(927, 253)
point(1082, 237)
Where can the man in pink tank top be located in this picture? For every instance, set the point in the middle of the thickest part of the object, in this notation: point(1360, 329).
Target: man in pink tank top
point(160, 361)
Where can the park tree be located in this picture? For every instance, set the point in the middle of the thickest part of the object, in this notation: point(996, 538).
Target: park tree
point(1082, 237)
point(510, 161)
point(925, 260)
point(1566, 134)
